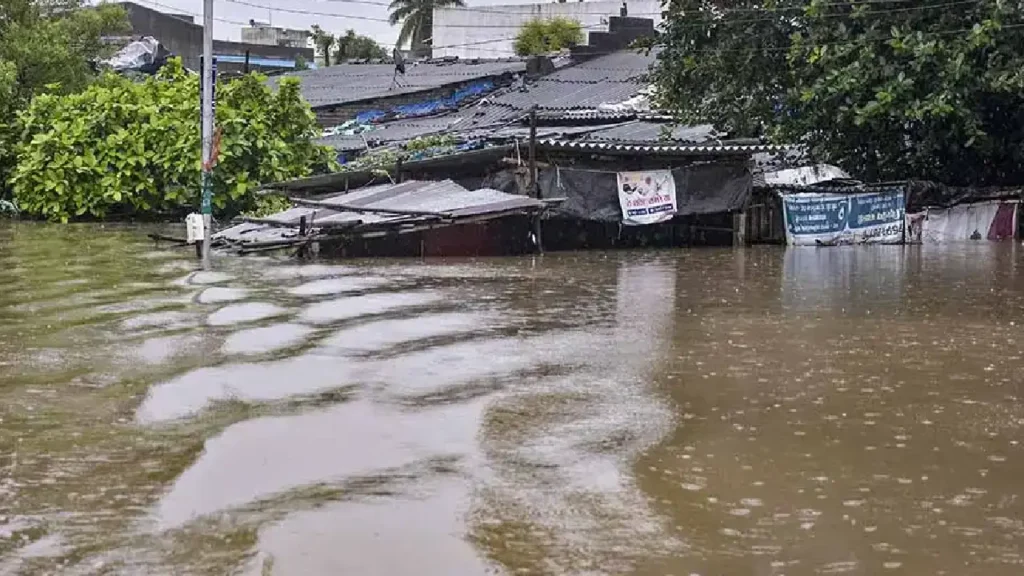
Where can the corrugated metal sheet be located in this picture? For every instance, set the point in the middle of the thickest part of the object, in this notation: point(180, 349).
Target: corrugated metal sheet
point(337, 181)
point(443, 198)
point(607, 79)
point(343, 143)
point(661, 148)
point(476, 119)
point(346, 83)
point(652, 132)
point(804, 175)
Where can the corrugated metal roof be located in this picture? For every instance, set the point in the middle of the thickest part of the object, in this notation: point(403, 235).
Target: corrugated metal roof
point(607, 79)
point(346, 83)
point(652, 132)
point(686, 150)
point(444, 198)
point(804, 175)
point(469, 120)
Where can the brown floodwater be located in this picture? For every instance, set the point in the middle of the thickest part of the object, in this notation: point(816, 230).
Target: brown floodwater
point(765, 411)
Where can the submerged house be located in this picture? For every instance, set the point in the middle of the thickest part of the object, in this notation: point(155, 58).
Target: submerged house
point(424, 218)
point(575, 136)
point(838, 210)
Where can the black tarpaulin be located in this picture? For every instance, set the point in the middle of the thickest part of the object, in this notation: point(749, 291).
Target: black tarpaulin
point(711, 188)
point(589, 195)
point(593, 195)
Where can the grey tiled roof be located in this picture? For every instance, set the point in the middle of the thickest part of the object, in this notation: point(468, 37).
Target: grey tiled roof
point(346, 83)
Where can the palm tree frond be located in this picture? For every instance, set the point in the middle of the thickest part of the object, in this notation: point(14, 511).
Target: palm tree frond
point(401, 14)
point(405, 33)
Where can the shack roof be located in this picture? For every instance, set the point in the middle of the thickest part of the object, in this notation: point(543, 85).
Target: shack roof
point(568, 95)
point(647, 131)
point(348, 83)
point(382, 206)
point(607, 79)
point(655, 149)
point(919, 194)
point(337, 181)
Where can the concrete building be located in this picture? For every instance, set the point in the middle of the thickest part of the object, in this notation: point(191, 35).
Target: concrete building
point(489, 31)
point(267, 35)
point(183, 37)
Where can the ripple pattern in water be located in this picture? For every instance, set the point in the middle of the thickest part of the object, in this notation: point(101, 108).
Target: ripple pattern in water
point(687, 412)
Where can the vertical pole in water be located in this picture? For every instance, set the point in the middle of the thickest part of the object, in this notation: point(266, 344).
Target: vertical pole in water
point(533, 153)
point(739, 229)
point(534, 188)
point(207, 129)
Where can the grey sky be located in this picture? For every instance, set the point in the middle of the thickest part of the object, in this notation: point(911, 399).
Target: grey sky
point(382, 32)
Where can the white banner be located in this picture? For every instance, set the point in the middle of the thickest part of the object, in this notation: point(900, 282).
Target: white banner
point(995, 220)
point(647, 197)
point(830, 219)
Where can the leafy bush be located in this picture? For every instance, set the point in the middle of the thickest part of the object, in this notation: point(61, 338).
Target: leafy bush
point(428, 142)
point(121, 148)
point(544, 36)
point(266, 205)
point(46, 46)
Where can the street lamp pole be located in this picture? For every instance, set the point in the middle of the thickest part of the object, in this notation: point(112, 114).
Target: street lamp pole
point(207, 129)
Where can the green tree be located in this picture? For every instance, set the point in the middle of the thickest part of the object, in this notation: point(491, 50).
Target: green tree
point(417, 19)
point(545, 36)
point(8, 91)
point(323, 42)
point(886, 90)
point(122, 148)
point(47, 46)
point(354, 46)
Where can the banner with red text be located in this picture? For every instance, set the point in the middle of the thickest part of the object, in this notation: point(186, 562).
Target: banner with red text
point(647, 197)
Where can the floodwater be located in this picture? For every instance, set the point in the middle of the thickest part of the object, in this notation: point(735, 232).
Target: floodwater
point(764, 411)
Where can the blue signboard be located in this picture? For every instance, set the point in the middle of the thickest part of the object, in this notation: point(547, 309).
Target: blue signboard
point(814, 219)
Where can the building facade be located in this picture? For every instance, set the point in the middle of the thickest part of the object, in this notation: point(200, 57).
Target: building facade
point(489, 31)
point(266, 35)
point(180, 35)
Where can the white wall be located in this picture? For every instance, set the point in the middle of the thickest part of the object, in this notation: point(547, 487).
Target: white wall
point(489, 31)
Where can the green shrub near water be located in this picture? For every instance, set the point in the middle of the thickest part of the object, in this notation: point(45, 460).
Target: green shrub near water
point(123, 148)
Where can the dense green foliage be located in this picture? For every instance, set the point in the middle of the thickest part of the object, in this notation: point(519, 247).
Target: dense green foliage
point(351, 46)
point(544, 36)
point(354, 46)
point(121, 148)
point(47, 46)
point(417, 19)
point(887, 90)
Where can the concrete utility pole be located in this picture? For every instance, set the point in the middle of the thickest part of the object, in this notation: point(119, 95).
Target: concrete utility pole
point(207, 128)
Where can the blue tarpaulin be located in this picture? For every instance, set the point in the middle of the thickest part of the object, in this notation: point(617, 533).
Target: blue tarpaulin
point(428, 107)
